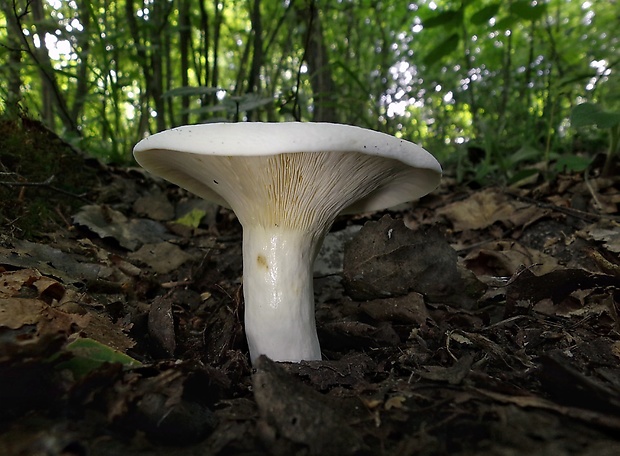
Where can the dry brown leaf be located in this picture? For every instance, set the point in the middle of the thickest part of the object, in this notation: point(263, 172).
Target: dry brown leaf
point(48, 309)
point(11, 282)
point(606, 232)
point(386, 259)
point(17, 312)
point(129, 233)
point(403, 309)
point(155, 206)
point(162, 257)
point(504, 258)
point(484, 208)
point(101, 329)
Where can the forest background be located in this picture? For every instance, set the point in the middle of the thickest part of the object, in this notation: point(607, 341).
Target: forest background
point(490, 87)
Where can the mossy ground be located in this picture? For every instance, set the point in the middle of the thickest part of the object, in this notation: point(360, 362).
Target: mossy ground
point(42, 178)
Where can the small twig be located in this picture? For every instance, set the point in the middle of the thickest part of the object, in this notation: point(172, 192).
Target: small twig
point(584, 215)
point(44, 184)
point(586, 179)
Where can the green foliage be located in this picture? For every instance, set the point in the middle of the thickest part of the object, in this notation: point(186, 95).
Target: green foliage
point(87, 355)
point(192, 218)
point(591, 114)
point(572, 163)
point(588, 114)
point(503, 75)
point(442, 49)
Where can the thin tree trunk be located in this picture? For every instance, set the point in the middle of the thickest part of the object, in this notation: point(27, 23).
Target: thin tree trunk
point(142, 59)
point(184, 45)
point(254, 85)
point(471, 90)
point(506, 83)
point(169, 81)
point(205, 30)
point(14, 80)
point(158, 19)
point(215, 74)
point(321, 80)
point(242, 74)
point(81, 88)
point(205, 43)
point(53, 99)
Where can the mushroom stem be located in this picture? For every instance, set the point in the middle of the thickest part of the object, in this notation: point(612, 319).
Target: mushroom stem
point(278, 293)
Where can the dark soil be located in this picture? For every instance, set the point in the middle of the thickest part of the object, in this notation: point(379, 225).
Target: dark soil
point(472, 322)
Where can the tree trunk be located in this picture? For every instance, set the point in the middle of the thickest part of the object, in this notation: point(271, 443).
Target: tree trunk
point(321, 79)
point(184, 43)
point(215, 74)
point(151, 62)
point(158, 21)
point(53, 99)
point(14, 80)
point(81, 87)
point(254, 84)
point(205, 44)
point(142, 60)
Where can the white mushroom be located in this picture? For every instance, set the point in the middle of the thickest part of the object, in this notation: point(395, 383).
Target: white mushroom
point(286, 182)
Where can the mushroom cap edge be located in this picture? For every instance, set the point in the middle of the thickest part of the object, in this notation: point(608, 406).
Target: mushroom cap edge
point(266, 138)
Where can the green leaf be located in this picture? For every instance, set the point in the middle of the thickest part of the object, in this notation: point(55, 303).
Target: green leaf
point(444, 48)
point(192, 218)
point(506, 23)
point(191, 91)
point(583, 115)
point(483, 15)
point(572, 163)
point(89, 354)
point(252, 101)
point(446, 19)
point(526, 10)
point(525, 153)
point(523, 175)
point(587, 114)
point(606, 119)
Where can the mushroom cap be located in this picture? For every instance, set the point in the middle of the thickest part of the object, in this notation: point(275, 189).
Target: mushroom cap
point(415, 171)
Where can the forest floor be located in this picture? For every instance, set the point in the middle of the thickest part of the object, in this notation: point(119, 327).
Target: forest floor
point(473, 322)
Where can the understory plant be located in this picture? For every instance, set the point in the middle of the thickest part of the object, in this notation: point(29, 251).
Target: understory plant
point(593, 114)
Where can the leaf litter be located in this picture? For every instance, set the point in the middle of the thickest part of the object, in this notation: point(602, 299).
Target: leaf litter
point(472, 322)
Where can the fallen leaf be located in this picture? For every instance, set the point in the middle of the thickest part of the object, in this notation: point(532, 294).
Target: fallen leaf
point(163, 257)
point(192, 218)
point(155, 206)
point(483, 209)
point(54, 262)
point(504, 258)
point(607, 233)
point(89, 354)
point(387, 259)
point(17, 312)
point(11, 282)
point(556, 285)
point(102, 329)
point(408, 309)
point(129, 233)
